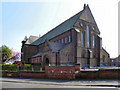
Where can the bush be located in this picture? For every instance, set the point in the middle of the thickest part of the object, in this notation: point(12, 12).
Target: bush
point(12, 67)
point(8, 66)
point(27, 66)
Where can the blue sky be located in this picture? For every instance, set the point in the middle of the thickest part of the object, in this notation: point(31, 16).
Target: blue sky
point(20, 19)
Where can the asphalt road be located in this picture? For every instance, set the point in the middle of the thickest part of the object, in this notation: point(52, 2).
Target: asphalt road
point(33, 85)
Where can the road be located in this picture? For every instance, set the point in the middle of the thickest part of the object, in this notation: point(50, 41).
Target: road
point(33, 85)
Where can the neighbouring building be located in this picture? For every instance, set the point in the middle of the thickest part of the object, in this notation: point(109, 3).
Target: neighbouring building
point(105, 57)
point(115, 61)
point(75, 41)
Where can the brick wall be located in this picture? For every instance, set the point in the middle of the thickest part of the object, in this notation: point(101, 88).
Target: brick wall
point(28, 51)
point(109, 74)
point(66, 73)
point(60, 72)
point(101, 74)
point(33, 75)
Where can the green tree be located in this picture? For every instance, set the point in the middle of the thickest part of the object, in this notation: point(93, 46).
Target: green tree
point(5, 52)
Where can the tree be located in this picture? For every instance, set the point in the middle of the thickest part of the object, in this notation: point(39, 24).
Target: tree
point(5, 52)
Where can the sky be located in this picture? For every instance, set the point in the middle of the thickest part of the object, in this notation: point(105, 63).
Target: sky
point(22, 18)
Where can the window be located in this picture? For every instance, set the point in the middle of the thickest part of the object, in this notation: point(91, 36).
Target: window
point(35, 60)
point(93, 28)
point(81, 24)
point(69, 38)
point(68, 59)
point(65, 39)
point(88, 37)
point(82, 40)
point(59, 41)
point(62, 40)
point(93, 41)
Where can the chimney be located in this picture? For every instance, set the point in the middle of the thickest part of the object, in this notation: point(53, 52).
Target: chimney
point(25, 39)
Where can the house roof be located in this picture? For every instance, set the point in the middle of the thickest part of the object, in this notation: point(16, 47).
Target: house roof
point(63, 27)
point(31, 39)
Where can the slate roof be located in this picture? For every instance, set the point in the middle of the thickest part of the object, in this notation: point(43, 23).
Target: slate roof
point(31, 39)
point(63, 27)
point(37, 55)
point(55, 46)
point(85, 14)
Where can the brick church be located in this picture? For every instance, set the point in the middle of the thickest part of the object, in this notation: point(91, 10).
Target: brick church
point(75, 41)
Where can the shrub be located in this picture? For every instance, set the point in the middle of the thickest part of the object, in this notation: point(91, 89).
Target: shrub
point(12, 67)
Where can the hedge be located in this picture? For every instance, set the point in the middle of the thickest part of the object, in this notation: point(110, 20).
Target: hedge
point(12, 67)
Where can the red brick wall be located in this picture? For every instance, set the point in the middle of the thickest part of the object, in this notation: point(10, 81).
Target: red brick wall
point(101, 74)
point(66, 73)
point(33, 75)
point(24, 74)
point(113, 74)
point(60, 72)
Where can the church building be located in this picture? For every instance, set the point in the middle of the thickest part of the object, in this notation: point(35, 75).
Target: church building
point(75, 41)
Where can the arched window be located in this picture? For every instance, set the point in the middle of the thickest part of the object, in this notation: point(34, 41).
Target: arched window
point(69, 38)
point(93, 28)
point(65, 39)
point(68, 59)
point(93, 41)
point(88, 37)
point(62, 40)
point(59, 41)
point(82, 40)
point(81, 24)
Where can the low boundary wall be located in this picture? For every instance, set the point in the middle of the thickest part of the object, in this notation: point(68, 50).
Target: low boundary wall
point(60, 72)
point(66, 73)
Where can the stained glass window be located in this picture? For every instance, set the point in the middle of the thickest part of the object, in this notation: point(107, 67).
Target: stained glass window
point(88, 37)
point(82, 40)
point(93, 41)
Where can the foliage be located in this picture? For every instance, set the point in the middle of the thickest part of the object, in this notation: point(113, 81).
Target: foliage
point(8, 66)
point(12, 67)
point(6, 53)
point(27, 65)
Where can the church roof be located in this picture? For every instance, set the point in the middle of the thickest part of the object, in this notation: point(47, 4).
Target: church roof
point(85, 14)
point(37, 55)
point(63, 27)
point(55, 46)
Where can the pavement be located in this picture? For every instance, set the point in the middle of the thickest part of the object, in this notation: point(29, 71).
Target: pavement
point(110, 83)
